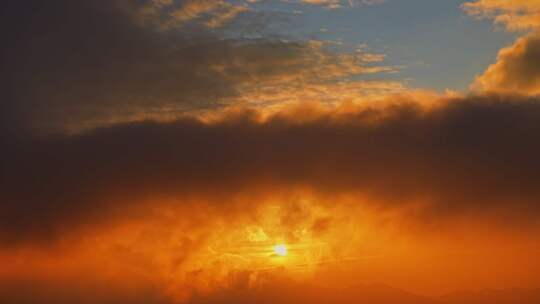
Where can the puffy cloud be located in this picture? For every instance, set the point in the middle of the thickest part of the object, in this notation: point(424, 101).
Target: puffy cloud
point(517, 69)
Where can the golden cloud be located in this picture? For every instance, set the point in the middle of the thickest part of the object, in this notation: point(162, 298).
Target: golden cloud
point(513, 14)
point(516, 70)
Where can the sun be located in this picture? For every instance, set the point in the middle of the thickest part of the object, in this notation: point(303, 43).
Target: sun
point(280, 250)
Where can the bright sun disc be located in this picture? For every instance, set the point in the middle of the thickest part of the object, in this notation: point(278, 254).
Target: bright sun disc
point(280, 250)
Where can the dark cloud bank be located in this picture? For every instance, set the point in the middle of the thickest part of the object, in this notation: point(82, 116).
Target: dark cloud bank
point(476, 155)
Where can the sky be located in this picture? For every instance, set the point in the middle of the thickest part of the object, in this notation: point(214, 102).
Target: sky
point(258, 151)
point(436, 44)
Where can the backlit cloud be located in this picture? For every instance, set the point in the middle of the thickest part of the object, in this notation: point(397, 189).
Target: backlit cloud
point(187, 206)
point(515, 70)
point(393, 155)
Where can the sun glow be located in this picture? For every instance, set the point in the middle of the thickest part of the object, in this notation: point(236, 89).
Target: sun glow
point(280, 250)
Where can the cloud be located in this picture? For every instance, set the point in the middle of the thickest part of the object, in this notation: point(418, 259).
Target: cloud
point(516, 69)
point(513, 14)
point(169, 14)
point(476, 155)
point(72, 72)
point(334, 4)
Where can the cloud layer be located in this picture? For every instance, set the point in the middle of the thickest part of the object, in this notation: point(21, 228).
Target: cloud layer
point(472, 155)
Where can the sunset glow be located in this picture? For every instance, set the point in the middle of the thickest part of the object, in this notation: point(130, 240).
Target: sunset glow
point(270, 152)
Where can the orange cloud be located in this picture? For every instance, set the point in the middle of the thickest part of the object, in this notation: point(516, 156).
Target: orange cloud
point(170, 14)
point(516, 70)
point(130, 72)
point(513, 14)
